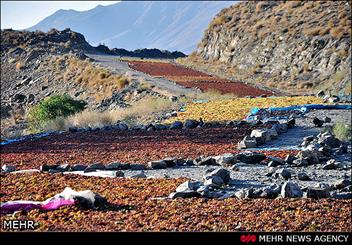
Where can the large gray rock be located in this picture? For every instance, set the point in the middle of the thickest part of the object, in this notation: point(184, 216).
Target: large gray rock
point(63, 167)
point(189, 186)
point(46, 167)
point(271, 134)
point(340, 184)
point(315, 192)
point(280, 128)
point(122, 126)
point(113, 166)
point(250, 157)
point(277, 160)
point(189, 123)
point(207, 161)
point(303, 176)
point(224, 174)
point(300, 162)
point(310, 156)
point(291, 190)
point(282, 173)
point(226, 159)
point(8, 168)
point(260, 135)
point(140, 175)
point(247, 142)
point(271, 191)
point(95, 166)
point(184, 194)
point(157, 164)
point(290, 158)
point(170, 162)
point(186, 190)
point(78, 167)
point(176, 125)
point(137, 166)
point(213, 181)
point(329, 140)
point(331, 164)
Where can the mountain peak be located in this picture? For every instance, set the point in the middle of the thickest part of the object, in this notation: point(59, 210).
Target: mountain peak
point(134, 25)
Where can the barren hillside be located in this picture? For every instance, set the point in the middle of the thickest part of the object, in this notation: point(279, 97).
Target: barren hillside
point(294, 46)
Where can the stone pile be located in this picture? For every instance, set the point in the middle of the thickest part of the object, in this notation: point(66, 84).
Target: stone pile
point(261, 136)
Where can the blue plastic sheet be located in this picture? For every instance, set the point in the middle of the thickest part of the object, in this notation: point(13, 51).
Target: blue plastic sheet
point(304, 108)
point(33, 136)
point(312, 107)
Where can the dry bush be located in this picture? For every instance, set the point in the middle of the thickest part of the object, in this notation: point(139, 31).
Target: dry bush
point(324, 31)
point(306, 68)
point(337, 32)
point(139, 112)
point(259, 7)
point(314, 31)
point(143, 85)
point(342, 53)
point(219, 20)
point(19, 66)
point(99, 81)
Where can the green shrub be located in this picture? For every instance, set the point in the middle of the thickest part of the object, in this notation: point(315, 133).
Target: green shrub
point(52, 108)
point(343, 131)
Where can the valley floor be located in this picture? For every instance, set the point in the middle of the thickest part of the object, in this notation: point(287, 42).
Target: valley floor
point(143, 203)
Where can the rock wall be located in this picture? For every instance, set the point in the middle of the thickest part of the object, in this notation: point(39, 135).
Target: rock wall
point(287, 45)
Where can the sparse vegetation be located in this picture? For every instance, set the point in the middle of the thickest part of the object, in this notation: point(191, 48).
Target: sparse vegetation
point(314, 31)
point(19, 66)
point(343, 131)
point(139, 112)
point(52, 108)
point(337, 32)
point(269, 25)
point(100, 82)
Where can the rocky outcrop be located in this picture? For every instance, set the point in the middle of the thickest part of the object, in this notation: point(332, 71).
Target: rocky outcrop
point(54, 41)
point(293, 46)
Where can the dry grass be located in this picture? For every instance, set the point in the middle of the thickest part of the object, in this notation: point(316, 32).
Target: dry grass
point(313, 31)
point(139, 112)
point(20, 66)
point(219, 20)
point(337, 32)
point(99, 82)
point(265, 22)
point(342, 53)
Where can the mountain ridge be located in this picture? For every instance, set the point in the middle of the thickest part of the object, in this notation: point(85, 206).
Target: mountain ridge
point(294, 46)
point(171, 26)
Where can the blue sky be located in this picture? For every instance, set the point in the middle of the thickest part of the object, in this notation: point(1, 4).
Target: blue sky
point(23, 14)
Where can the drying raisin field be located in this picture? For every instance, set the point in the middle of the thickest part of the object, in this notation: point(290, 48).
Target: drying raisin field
point(194, 79)
point(189, 173)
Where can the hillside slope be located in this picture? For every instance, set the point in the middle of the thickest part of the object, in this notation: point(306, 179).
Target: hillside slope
point(293, 46)
point(133, 24)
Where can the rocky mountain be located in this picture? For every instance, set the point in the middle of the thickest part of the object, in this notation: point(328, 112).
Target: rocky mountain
point(171, 25)
point(141, 53)
point(35, 65)
point(295, 46)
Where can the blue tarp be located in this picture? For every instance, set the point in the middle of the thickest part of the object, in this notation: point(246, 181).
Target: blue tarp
point(28, 137)
point(304, 108)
